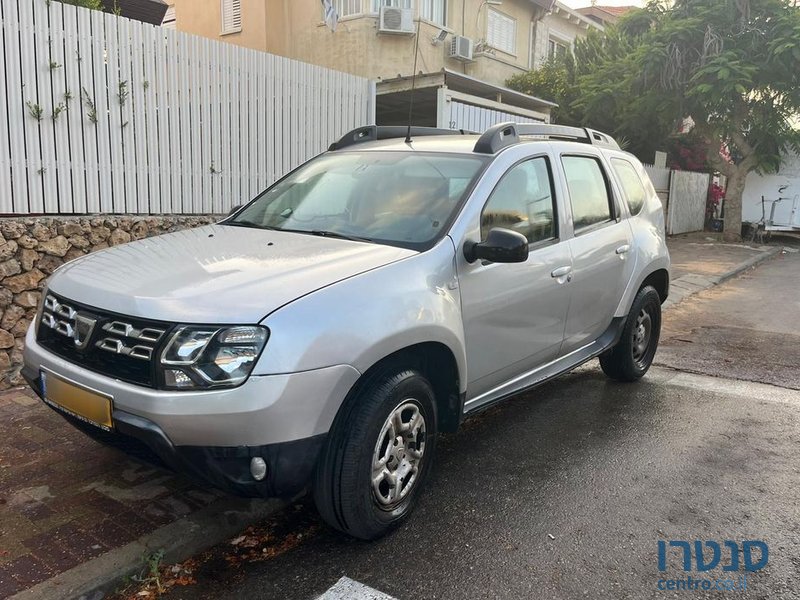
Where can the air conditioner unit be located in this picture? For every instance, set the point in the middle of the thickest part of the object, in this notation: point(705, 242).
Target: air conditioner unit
point(461, 48)
point(396, 20)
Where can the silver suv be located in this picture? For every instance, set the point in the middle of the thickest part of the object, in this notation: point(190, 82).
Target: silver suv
point(323, 334)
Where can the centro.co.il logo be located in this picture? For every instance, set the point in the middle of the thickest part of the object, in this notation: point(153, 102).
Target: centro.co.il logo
point(732, 560)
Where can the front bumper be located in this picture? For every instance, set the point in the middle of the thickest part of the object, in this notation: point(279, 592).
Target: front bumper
point(290, 465)
point(212, 435)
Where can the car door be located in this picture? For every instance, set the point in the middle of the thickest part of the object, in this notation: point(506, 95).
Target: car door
point(600, 249)
point(514, 313)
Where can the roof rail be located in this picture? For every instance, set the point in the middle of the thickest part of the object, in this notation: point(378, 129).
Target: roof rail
point(371, 133)
point(502, 135)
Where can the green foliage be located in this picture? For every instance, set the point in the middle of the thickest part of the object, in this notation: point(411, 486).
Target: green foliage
point(35, 110)
point(123, 92)
point(62, 107)
point(553, 81)
point(732, 67)
point(150, 573)
point(91, 4)
point(91, 109)
point(593, 87)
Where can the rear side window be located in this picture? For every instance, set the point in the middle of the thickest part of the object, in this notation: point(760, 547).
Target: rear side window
point(588, 192)
point(631, 184)
point(523, 202)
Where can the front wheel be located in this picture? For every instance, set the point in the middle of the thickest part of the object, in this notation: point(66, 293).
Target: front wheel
point(378, 454)
point(630, 359)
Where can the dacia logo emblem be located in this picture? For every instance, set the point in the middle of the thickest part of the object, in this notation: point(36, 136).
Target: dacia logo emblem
point(84, 327)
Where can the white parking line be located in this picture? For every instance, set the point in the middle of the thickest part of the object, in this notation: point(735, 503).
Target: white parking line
point(347, 589)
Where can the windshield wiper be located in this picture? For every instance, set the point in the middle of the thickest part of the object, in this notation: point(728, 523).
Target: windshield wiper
point(250, 224)
point(317, 232)
point(337, 235)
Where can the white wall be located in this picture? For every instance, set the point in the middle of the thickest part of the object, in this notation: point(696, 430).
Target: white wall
point(767, 185)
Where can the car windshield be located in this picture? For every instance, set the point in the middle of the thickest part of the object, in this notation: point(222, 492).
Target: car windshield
point(397, 198)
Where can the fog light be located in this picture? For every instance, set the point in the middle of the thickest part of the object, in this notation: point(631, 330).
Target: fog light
point(177, 379)
point(258, 468)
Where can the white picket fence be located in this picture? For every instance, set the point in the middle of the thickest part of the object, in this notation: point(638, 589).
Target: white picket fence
point(100, 114)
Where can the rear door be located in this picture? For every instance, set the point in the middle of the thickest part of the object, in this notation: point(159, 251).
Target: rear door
point(600, 248)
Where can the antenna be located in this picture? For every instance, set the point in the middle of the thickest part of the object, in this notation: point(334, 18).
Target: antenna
point(413, 84)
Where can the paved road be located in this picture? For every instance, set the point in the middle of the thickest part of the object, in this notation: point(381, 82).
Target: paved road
point(565, 492)
point(747, 329)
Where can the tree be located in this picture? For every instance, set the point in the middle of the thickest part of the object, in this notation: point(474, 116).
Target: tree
point(733, 68)
point(729, 67)
point(593, 87)
point(555, 81)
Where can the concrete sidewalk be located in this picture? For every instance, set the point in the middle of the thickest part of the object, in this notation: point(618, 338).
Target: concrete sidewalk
point(75, 517)
point(700, 261)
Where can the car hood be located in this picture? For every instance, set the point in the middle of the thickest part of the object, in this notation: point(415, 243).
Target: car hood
point(215, 274)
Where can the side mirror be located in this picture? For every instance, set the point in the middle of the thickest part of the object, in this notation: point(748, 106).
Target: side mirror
point(234, 209)
point(500, 246)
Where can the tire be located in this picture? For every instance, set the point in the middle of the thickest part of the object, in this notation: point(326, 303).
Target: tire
point(630, 359)
point(344, 492)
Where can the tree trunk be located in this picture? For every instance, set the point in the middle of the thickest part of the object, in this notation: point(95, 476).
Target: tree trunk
point(732, 231)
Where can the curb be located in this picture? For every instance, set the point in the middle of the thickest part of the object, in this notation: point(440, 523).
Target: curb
point(179, 540)
point(688, 285)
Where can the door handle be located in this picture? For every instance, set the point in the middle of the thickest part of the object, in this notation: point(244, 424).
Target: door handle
point(561, 271)
point(623, 249)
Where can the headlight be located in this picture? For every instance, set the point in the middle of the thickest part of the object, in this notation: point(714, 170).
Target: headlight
point(203, 357)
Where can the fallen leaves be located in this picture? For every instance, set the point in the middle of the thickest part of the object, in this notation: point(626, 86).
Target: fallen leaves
point(168, 577)
point(278, 534)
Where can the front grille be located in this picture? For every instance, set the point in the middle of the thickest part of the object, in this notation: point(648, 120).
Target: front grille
point(118, 346)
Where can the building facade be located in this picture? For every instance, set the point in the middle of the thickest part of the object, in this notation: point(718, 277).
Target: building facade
point(605, 15)
point(489, 40)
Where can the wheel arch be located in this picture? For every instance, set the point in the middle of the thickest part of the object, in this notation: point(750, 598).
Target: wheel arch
point(657, 274)
point(438, 364)
point(659, 279)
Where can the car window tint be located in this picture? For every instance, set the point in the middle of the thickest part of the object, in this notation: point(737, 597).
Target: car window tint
point(522, 202)
point(631, 184)
point(587, 191)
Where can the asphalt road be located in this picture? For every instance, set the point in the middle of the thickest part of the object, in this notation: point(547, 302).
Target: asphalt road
point(748, 328)
point(565, 492)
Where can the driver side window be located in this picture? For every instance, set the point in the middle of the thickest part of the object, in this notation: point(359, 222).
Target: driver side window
point(523, 202)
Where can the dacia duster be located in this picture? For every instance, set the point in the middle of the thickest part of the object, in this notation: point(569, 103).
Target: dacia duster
point(323, 334)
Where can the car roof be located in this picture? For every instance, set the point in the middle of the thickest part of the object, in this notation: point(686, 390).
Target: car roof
point(491, 142)
point(458, 144)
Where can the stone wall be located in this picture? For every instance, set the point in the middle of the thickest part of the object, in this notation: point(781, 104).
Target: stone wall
point(31, 248)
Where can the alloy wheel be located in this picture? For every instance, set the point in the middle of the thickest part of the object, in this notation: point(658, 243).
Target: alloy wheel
point(398, 454)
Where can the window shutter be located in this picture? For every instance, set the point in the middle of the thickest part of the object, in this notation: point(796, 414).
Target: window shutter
point(231, 16)
point(501, 31)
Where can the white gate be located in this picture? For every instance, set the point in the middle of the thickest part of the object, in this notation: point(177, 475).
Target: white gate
point(688, 194)
point(104, 114)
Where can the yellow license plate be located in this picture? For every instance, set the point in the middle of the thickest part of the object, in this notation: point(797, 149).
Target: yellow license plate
point(83, 404)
